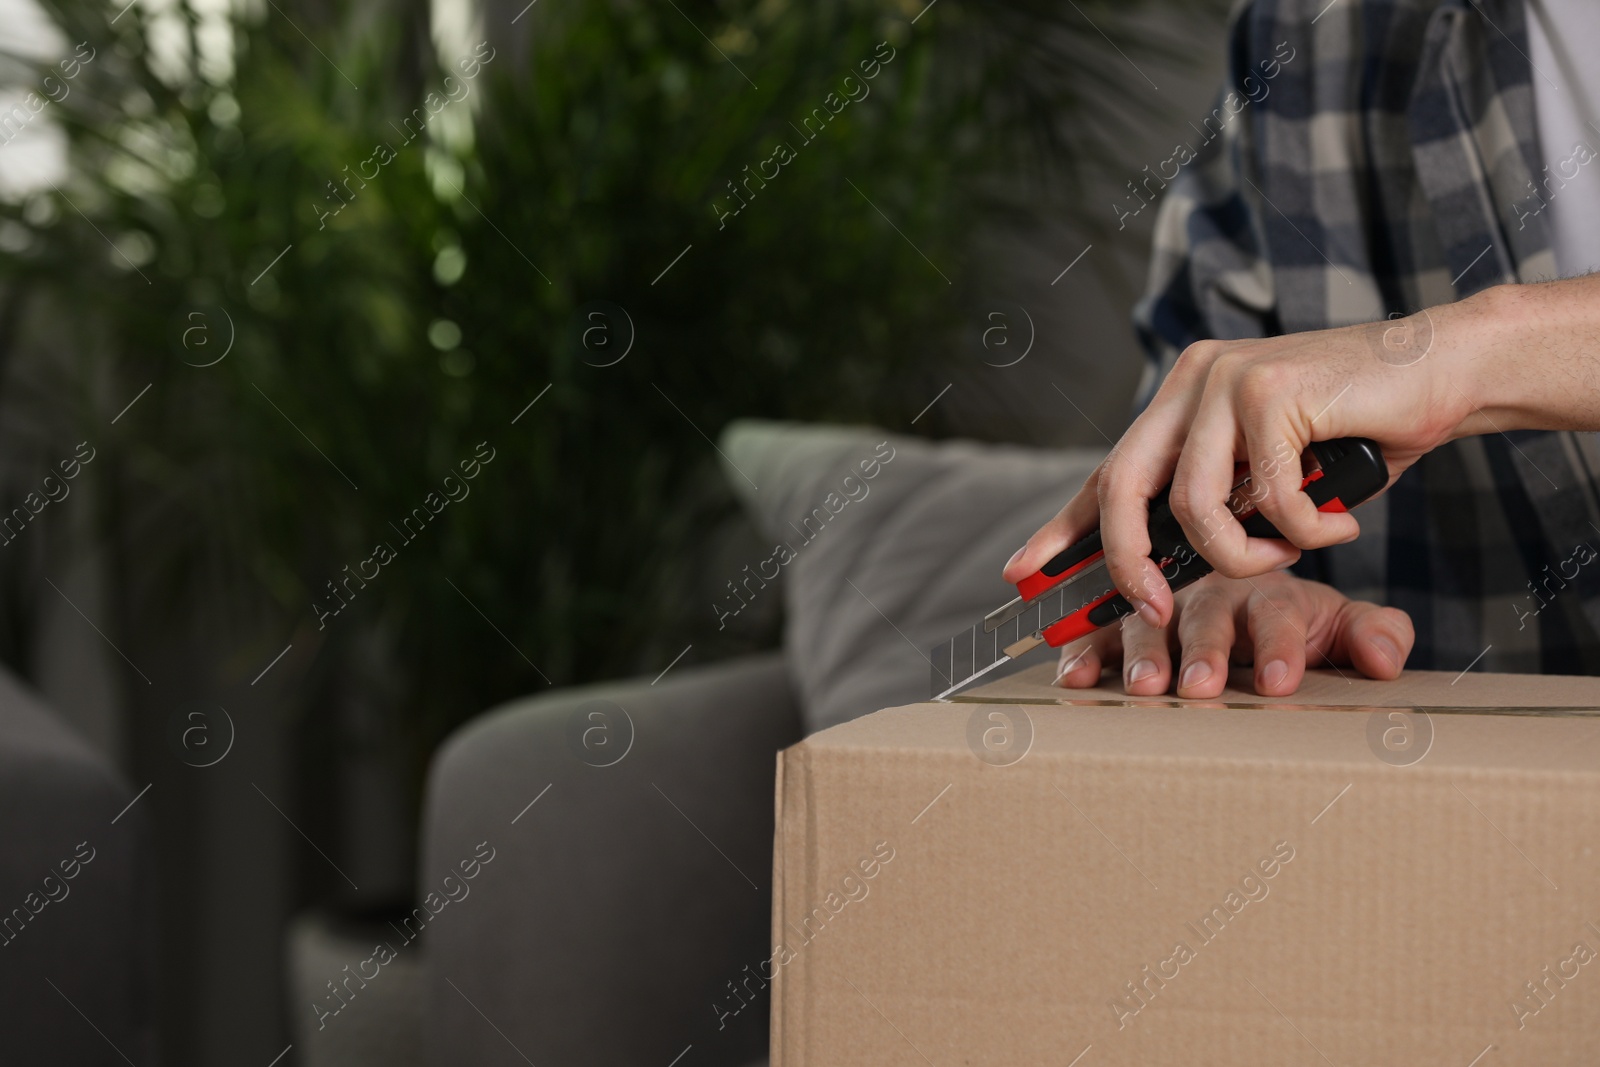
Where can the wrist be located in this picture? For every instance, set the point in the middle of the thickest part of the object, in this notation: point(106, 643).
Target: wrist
point(1476, 340)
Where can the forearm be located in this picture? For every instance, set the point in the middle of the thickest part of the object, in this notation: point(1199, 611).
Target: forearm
point(1525, 357)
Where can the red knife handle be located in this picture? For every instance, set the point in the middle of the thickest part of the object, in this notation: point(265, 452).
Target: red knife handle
point(1078, 624)
point(1062, 565)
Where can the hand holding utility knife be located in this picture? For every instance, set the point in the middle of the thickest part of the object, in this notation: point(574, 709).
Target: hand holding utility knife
point(1072, 595)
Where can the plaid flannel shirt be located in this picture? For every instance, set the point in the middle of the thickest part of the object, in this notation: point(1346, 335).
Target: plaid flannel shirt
point(1385, 167)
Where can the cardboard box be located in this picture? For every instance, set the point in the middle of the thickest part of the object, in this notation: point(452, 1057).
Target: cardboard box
point(1379, 873)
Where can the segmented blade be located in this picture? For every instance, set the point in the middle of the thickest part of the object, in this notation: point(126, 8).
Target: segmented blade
point(969, 655)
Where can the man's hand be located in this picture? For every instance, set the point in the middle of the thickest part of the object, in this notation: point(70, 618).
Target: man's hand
point(1512, 357)
point(1277, 622)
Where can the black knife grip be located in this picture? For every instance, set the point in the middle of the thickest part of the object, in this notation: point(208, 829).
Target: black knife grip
point(1072, 555)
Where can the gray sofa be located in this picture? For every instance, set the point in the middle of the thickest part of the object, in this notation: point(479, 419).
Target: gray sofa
point(624, 912)
point(77, 911)
point(620, 905)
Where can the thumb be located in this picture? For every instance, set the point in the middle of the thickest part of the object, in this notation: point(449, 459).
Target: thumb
point(1080, 517)
point(1375, 640)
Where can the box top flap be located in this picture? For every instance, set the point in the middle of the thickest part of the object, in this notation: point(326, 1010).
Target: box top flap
point(1424, 719)
point(1343, 688)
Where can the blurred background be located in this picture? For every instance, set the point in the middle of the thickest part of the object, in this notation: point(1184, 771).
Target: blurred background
point(388, 343)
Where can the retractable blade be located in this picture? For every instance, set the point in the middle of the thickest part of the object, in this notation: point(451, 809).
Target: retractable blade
point(975, 652)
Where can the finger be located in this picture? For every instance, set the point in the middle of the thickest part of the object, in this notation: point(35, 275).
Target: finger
point(1138, 468)
point(1205, 636)
point(1278, 633)
point(1203, 482)
point(1146, 663)
point(1135, 472)
point(1374, 640)
point(1081, 661)
point(1276, 431)
point(1071, 524)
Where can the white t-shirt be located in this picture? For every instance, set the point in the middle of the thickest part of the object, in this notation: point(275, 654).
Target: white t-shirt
point(1562, 37)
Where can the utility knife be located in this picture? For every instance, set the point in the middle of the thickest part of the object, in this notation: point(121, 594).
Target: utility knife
point(1072, 595)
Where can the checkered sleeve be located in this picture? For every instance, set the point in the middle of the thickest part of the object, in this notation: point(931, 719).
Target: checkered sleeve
point(1209, 276)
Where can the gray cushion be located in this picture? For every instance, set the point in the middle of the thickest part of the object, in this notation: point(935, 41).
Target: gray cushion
point(885, 567)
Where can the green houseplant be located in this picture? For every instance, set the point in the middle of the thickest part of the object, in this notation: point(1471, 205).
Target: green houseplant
point(559, 262)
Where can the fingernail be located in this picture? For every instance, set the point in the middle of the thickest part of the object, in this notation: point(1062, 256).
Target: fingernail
point(1389, 649)
point(1014, 557)
point(1149, 614)
point(1140, 670)
point(1194, 674)
point(1273, 674)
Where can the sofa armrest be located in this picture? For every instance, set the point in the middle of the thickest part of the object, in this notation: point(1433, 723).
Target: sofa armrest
point(77, 927)
point(618, 907)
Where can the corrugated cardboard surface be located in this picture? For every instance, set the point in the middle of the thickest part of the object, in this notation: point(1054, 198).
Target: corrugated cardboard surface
point(1417, 884)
